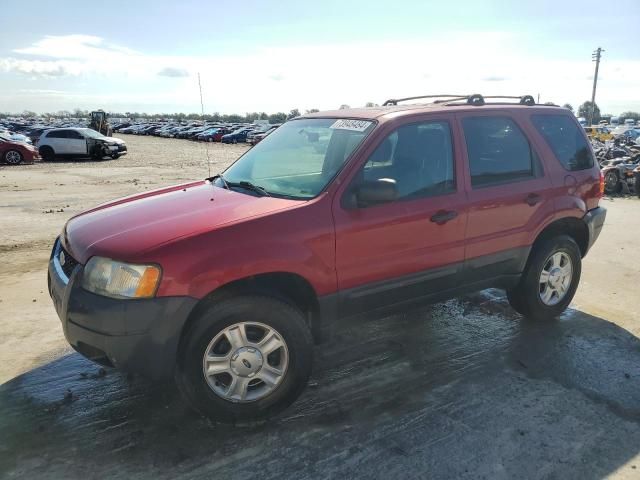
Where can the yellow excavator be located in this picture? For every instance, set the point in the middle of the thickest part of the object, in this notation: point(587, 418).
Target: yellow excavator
point(99, 123)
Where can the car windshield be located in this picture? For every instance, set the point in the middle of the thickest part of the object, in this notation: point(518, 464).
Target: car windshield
point(92, 133)
point(301, 157)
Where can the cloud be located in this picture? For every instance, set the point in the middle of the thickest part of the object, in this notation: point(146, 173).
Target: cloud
point(78, 47)
point(35, 67)
point(41, 91)
point(173, 72)
point(72, 55)
point(95, 72)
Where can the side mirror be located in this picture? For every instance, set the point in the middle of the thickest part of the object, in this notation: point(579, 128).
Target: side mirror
point(369, 193)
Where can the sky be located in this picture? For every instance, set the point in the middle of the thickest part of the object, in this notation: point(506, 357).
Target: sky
point(145, 56)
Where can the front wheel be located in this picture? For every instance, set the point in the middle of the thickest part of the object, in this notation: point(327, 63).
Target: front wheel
point(13, 157)
point(550, 279)
point(245, 358)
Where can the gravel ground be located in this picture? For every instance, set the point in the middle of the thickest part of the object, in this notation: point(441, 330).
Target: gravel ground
point(462, 389)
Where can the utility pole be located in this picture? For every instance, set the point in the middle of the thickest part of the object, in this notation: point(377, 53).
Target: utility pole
point(595, 57)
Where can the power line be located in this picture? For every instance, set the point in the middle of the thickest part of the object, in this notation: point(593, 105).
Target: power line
point(595, 57)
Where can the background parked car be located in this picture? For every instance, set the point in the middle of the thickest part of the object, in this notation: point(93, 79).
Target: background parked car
point(79, 142)
point(15, 153)
point(237, 136)
point(207, 135)
point(256, 138)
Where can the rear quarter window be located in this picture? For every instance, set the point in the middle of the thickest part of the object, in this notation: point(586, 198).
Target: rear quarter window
point(565, 139)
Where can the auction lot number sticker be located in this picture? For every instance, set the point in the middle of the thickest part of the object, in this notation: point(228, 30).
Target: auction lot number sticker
point(348, 124)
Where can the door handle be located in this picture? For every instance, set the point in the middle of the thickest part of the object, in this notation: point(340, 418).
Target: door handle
point(443, 216)
point(532, 199)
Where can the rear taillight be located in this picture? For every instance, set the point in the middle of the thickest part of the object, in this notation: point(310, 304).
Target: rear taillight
point(601, 189)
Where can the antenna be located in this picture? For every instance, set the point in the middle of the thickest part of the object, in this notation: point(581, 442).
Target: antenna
point(206, 147)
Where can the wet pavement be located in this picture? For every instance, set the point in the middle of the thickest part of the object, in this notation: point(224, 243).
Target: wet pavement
point(462, 389)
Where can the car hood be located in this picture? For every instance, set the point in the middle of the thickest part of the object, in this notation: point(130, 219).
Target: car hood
point(127, 228)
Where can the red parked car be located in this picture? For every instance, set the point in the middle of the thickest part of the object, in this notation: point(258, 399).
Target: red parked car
point(15, 153)
point(224, 283)
point(217, 137)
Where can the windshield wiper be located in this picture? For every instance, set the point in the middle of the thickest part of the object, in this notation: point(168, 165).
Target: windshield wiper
point(250, 186)
point(220, 177)
point(243, 184)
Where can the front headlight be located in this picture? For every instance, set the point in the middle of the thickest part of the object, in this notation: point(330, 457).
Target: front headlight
point(110, 278)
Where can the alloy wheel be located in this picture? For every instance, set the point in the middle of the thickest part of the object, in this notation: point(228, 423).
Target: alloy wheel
point(555, 278)
point(13, 157)
point(245, 362)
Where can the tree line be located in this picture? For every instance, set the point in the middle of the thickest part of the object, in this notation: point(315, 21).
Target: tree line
point(248, 117)
point(584, 110)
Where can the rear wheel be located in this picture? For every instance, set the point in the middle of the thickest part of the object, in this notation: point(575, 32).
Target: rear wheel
point(550, 279)
point(13, 157)
point(245, 358)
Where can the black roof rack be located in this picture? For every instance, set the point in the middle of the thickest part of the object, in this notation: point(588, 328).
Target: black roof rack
point(475, 99)
point(394, 101)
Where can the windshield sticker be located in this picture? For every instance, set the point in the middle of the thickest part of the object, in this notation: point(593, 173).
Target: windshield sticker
point(354, 125)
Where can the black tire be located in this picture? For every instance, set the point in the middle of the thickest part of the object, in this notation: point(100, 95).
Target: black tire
point(100, 152)
point(115, 156)
point(285, 318)
point(525, 297)
point(612, 182)
point(47, 154)
point(13, 157)
point(637, 185)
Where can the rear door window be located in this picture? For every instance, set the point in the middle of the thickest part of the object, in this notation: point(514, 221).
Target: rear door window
point(565, 140)
point(498, 151)
point(57, 134)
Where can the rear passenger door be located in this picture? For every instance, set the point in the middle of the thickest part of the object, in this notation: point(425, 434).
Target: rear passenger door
point(54, 139)
point(61, 143)
point(509, 194)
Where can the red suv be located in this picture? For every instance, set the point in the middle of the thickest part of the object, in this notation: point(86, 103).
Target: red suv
point(225, 283)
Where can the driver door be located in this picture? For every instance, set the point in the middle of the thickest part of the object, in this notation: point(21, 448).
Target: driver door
point(76, 143)
point(411, 247)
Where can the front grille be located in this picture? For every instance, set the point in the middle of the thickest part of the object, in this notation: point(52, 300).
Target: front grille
point(69, 262)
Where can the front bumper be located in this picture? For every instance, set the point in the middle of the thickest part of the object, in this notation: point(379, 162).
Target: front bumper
point(595, 220)
point(120, 149)
point(138, 336)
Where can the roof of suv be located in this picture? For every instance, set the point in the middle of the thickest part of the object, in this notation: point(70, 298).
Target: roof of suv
point(394, 108)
